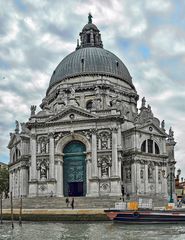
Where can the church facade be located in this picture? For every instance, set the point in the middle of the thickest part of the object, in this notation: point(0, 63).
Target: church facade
point(90, 138)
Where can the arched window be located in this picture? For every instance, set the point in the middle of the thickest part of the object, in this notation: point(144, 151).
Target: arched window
point(89, 104)
point(149, 146)
point(143, 146)
point(156, 149)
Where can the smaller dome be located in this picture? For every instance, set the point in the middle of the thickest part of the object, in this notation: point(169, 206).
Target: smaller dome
point(89, 26)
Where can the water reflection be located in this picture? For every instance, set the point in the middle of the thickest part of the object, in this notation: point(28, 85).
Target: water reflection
point(90, 231)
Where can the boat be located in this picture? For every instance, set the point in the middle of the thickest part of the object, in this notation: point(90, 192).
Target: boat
point(145, 216)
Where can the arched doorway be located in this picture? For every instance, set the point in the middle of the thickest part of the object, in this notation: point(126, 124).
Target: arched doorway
point(74, 169)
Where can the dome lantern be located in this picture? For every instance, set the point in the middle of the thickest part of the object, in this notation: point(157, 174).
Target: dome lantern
point(90, 35)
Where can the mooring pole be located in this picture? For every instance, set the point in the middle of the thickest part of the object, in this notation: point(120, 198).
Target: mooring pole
point(20, 212)
point(11, 201)
point(1, 208)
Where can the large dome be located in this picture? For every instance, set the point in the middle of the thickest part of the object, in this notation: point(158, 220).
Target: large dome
point(90, 58)
point(90, 61)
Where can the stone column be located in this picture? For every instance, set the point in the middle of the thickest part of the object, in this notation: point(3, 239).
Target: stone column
point(146, 178)
point(33, 173)
point(164, 182)
point(114, 152)
point(94, 154)
point(156, 179)
point(51, 156)
point(119, 137)
point(138, 180)
point(133, 177)
point(60, 178)
point(24, 181)
point(19, 182)
point(88, 174)
point(11, 181)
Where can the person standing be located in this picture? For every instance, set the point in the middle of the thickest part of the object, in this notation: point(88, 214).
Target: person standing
point(67, 202)
point(72, 203)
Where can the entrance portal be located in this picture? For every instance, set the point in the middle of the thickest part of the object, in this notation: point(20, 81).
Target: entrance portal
point(74, 169)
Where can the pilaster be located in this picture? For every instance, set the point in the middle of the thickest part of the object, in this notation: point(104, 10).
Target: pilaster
point(156, 179)
point(94, 154)
point(146, 179)
point(33, 175)
point(51, 156)
point(114, 152)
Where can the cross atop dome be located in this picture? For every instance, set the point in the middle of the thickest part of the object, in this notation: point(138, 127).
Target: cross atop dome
point(90, 35)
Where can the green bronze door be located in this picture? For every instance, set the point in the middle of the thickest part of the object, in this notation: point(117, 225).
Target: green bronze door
point(74, 169)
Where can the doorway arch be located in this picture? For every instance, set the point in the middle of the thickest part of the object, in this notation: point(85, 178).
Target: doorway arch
point(74, 169)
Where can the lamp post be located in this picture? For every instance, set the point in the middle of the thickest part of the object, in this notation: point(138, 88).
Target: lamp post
point(170, 176)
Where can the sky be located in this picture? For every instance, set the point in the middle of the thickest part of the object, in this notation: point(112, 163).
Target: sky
point(148, 35)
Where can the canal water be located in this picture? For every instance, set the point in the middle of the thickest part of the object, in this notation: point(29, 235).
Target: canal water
point(91, 231)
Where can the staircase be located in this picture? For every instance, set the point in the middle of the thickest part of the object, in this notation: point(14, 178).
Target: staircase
point(60, 202)
point(79, 202)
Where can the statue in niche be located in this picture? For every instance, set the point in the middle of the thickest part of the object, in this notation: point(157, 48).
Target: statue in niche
point(33, 109)
point(150, 172)
point(104, 169)
point(98, 104)
point(43, 171)
point(43, 147)
point(16, 127)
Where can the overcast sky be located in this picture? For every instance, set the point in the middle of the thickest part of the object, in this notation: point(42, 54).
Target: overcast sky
point(148, 35)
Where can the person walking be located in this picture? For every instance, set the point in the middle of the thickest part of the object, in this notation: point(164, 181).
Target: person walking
point(72, 203)
point(67, 202)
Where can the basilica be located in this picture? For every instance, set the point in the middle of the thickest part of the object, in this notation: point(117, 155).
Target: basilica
point(90, 138)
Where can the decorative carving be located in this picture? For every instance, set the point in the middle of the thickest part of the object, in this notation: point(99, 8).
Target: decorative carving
point(51, 134)
point(105, 162)
point(159, 174)
point(33, 109)
point(143, 102)
point(24, 129)
point(142, 173)
point(72, 90)
point(105, 187)
point(43, 187)
point(128, 173)
point(87, 134)
point(16, 127)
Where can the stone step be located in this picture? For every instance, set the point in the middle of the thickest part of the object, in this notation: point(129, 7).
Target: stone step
point(80, 202)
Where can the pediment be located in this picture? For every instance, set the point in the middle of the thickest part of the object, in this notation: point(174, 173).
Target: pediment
point(152, 129)
point(14, 139)
point(72, 113)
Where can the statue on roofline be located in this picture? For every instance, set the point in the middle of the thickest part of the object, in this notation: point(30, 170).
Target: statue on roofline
point(90, 18)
